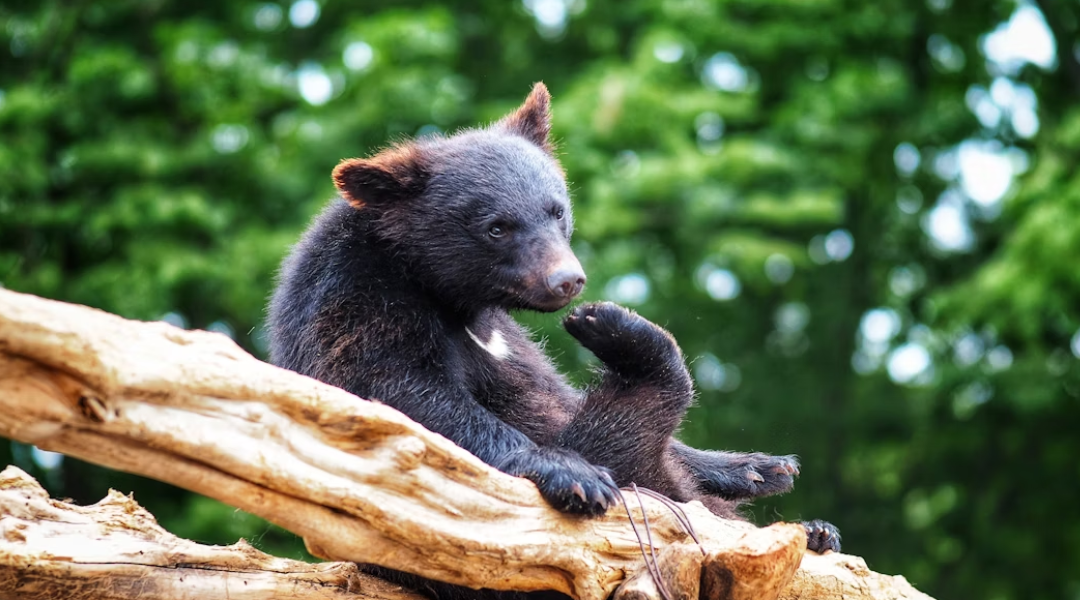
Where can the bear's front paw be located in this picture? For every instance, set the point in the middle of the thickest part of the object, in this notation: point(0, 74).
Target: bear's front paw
point(567, 481)
point(821, 536)
point(623, 340)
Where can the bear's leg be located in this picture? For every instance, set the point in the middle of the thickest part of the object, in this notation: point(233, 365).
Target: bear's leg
point(733, 477)
point(738, 475)
point(643, 396)
point(568, 482)
point(610, 432)
point(626, 421)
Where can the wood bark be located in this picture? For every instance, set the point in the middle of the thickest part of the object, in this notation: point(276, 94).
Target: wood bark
point(356, 479)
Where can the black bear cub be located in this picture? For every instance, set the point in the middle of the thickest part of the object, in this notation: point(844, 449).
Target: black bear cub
point(401, 292)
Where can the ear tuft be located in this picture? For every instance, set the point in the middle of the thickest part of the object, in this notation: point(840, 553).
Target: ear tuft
point(532, 120)
point(396, 173)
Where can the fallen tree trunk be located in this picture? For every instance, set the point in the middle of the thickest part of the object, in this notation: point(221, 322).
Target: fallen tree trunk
point(357, 480)
point(115, 550)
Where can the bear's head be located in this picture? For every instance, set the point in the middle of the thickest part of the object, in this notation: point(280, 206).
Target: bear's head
point(481, 218)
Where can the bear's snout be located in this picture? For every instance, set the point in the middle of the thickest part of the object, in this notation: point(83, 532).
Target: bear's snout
point(567, 280)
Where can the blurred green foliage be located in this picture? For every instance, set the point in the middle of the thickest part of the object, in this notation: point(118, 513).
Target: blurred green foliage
point(782, 184)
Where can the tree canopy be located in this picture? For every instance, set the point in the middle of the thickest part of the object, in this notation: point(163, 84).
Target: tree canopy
point(858, 219)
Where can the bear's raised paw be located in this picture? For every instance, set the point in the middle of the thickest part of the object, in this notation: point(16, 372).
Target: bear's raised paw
point(623, 340)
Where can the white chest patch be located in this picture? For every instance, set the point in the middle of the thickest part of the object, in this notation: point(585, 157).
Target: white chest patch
point(496, 346)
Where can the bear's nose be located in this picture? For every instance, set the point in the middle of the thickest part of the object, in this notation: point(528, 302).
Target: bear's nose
point(566, 282)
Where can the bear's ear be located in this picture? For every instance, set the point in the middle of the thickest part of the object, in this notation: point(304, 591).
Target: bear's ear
point(394, 174)
point(532, 120)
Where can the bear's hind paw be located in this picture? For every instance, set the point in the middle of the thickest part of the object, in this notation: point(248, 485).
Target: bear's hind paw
point(821, 536)
point(623, 340)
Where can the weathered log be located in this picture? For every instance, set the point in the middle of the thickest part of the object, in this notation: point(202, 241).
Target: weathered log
point(843, 576)
point(115, 550)
point(356, 479)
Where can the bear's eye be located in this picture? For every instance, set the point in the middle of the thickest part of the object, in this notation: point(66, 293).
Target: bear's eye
point(496, 231)
point(559, 213)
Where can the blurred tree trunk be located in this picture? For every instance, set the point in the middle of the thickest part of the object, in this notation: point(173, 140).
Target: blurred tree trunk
point(358, 480)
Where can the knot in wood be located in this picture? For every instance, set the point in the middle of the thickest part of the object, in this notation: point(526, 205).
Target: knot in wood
point(409, 452)
point(93, 408)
